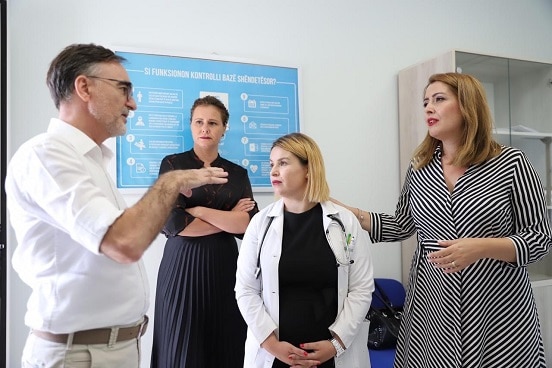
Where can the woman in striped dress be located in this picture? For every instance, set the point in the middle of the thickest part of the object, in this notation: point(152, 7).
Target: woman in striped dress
point(480, 215)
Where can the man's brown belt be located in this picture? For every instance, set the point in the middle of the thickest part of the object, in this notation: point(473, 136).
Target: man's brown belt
point(96, 336)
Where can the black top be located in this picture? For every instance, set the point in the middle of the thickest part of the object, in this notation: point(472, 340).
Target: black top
point(307, 280)
point(217, 196)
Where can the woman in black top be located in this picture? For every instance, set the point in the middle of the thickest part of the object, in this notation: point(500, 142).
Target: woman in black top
point(197, 322)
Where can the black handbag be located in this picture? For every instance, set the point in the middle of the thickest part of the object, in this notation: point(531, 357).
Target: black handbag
point(384, 322)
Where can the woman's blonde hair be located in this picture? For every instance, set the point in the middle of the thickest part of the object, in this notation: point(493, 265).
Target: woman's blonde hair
point(309, 154)
point(477, 144)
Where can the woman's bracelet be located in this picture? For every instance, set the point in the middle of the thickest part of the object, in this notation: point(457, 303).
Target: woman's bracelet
point(360, 216)
point(338, 348)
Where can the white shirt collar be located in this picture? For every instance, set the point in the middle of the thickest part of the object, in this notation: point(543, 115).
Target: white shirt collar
point(78, 139)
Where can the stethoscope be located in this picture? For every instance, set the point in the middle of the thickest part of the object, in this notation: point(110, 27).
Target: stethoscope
point(346, 239)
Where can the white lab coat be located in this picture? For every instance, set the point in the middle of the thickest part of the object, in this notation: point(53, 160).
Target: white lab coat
point(258, 298)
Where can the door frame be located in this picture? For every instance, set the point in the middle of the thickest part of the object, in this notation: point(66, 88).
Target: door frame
point(3, 164)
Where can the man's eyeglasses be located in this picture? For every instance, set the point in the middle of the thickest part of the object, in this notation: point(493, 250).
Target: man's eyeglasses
point(125, 86)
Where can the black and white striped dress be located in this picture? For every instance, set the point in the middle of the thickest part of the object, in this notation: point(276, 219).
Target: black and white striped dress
point(484, 315)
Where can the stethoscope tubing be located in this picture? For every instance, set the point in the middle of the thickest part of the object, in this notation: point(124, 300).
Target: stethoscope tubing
point(335, 218)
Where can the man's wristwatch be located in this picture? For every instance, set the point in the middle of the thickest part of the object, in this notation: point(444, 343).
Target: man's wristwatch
point(338, 348)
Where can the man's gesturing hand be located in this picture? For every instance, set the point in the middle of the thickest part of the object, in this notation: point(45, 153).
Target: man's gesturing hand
point(190, 179)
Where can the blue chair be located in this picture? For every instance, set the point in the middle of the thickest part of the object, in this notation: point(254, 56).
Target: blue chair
point(396, 293)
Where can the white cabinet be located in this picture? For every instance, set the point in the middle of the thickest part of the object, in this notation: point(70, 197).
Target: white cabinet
point(520, 97)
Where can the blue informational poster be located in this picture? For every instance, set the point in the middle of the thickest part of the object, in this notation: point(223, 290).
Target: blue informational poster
point(263, 101)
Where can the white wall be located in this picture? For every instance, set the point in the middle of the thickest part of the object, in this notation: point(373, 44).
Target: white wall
point(349, 52)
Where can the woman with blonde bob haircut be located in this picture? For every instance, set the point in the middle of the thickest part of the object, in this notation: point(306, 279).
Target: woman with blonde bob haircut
point(308, 153)
point(304, 281)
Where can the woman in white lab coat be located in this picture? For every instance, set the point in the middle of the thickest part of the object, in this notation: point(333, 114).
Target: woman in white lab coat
point(304, 280)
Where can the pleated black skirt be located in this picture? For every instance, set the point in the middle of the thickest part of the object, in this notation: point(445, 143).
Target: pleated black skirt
point(197, 321)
